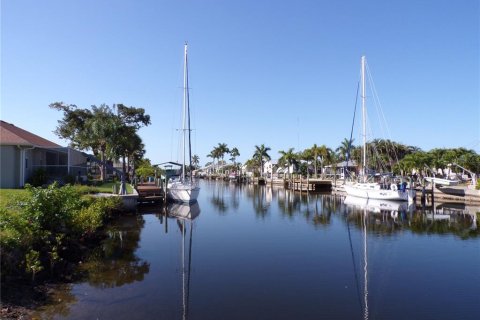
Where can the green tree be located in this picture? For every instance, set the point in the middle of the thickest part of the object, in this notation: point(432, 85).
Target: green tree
point(234, 153)
point(342, 150)
point(101, 128)
point(221, 150)
point(195, 161)
point(288, 158)
point(261, 155)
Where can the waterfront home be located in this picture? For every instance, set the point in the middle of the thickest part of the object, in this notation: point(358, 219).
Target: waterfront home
point(270, 168)
point(340, 169)
point(22, 153)
point(247, 170)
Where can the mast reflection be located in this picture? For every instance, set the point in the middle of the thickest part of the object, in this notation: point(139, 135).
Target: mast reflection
point(185, 215)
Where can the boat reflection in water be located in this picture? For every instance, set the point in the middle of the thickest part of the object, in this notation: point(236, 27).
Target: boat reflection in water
point(188, 211)
point(185, 213)
point(454, 213)
point(378, 206)
point(372, 206)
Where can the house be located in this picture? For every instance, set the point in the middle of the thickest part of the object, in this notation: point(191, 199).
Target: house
point(22, 153)
point(285, 170)
point(341, 169)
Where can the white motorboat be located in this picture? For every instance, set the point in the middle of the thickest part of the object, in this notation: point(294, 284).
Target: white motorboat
point(441, 181)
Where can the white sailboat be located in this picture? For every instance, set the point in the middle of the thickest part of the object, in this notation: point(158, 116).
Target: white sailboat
point(374, 190)
point(185, 189)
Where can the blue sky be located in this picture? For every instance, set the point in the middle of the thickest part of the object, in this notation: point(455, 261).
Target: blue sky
point(281, 73)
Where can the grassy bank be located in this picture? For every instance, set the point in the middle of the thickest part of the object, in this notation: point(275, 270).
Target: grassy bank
point(108, 187)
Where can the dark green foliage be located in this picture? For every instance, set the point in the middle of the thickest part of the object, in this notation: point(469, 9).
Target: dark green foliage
point(35, 232)
point(39, 177)
point(69, 179)
point(440, 158)
point(110, 132)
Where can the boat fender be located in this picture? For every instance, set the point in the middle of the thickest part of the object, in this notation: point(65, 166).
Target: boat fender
point(393, 187)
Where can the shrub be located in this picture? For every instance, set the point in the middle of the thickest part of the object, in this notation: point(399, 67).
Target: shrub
point(69, 179)
point(39, 177)
point(84, 189)
point(34, 230)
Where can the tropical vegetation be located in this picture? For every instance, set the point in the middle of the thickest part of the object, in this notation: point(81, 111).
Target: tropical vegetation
point(385, 156)
point(110, 132)
point(42, 228)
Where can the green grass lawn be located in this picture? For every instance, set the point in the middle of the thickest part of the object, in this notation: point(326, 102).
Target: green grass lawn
point(107, 187)
point(7, 195)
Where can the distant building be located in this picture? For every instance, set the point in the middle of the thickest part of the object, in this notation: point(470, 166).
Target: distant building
point(22, 153)
point(341, 169)
point(270, 168)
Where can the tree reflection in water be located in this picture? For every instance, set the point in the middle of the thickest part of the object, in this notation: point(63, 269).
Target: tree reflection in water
point(112, 264)
point(383, 217)
point(388, 218)
point(260, 201)
point(115, 263)
point(218, 197)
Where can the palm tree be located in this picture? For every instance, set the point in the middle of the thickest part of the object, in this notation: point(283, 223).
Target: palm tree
point(307, 156)
point(212, 155)
point(288, 157)
point(234, 153)
point(343, 149)
point(251, 164)
point(195, 161)
point(261, 155)
point(321, 153)
point(221, 150)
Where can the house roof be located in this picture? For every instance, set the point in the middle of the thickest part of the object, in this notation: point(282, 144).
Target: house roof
point(12, 135)
point(343, 164)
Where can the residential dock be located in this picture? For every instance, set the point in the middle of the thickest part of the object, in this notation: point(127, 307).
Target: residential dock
point(149, 192)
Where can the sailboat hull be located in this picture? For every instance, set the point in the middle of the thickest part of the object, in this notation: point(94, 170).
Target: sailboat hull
point(373, 191)
point(376, 205)
point(183, 192)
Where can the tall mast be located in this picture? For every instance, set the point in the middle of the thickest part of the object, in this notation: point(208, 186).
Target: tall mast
point(188, 128)
point(364, 120)
point(186, 118)
point(185, 107)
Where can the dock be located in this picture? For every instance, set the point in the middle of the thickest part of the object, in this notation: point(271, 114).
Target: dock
point(149, 192)
point(313, 185)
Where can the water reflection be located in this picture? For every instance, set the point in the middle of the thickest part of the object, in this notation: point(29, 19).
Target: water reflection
point(388, 217)
point(115, 262)
point(185, 214)
point(225, 196)
point(112, 264)
point(261, 197)
point(289, 249)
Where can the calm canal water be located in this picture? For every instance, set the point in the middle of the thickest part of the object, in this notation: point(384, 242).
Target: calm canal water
point(256, 252)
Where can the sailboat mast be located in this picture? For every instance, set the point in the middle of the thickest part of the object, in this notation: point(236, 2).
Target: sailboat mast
point(188, 126)
point(364, 120)
point(185, 107)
